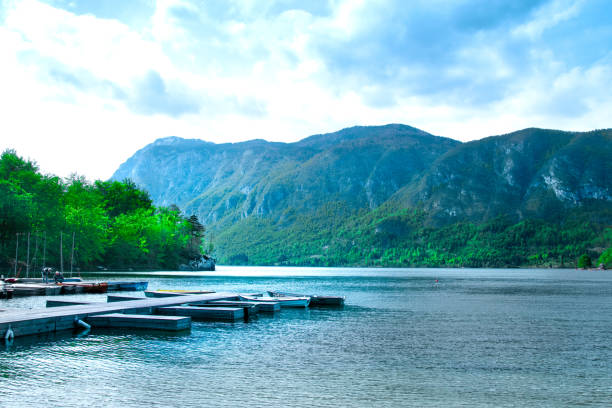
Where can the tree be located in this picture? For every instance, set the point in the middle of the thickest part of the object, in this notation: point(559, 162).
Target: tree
point(584, 261)
point(123, 197)
point(606, 257)
point(196, 237)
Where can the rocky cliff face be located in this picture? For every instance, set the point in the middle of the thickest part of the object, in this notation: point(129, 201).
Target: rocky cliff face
point(360, 166)
point(533, 172)
point(530, 173)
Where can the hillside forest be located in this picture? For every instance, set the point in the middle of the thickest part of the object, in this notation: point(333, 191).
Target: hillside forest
point(403, 238)
point(72, 224)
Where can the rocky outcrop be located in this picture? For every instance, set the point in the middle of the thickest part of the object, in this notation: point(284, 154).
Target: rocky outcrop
point(204, 263)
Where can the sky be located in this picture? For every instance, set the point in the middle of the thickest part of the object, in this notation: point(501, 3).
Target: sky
point(85, 84)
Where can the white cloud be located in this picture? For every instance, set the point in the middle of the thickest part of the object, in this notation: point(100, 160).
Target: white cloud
point(546, 17)
point(82, 93)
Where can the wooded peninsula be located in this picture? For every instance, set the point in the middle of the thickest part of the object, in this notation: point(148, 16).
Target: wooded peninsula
point(78, 225)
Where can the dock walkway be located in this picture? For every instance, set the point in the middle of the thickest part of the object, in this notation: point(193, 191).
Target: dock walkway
point(36, 321)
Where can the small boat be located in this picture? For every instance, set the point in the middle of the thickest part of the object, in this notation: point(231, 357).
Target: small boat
point(88, 287)
point(136, 285)
point(284, 301)
point(315, 300)
point(95, 287)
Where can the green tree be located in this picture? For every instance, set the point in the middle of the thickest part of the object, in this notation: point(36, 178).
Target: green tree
point(123, 197)
point(86, 217)
point(584, 261)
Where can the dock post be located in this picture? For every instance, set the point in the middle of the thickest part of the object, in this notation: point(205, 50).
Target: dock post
point(81, 323)
point(9, 334)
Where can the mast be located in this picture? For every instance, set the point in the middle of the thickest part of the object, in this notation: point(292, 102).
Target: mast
point(72, 254)
point(61, 252)
point(16, 253)
point(34, 258)
point(28, 258)
point(44, 274)
point(44, 248)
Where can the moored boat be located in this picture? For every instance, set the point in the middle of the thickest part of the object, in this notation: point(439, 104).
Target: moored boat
point(174, 292)
point(315, 300)
point(87, 287)
point(129, 286)
point(284, 301)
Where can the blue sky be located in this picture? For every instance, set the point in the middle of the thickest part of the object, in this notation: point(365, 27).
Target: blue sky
point(87, 83)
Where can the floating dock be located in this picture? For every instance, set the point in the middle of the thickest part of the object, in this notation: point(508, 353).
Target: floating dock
point(224, 314)
point(37, 321)
point(119, 320)
point(173, 310)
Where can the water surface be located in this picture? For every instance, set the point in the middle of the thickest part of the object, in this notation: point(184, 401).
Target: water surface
point(476, 337)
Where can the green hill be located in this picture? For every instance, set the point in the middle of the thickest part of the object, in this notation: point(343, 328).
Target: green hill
point(391, 196)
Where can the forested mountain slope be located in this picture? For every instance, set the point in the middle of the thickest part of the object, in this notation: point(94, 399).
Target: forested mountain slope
point(381, 195)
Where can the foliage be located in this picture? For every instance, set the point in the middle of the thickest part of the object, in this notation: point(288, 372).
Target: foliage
point(606, 256)
point(88, 224)
point(584, 261)
point(404, 239)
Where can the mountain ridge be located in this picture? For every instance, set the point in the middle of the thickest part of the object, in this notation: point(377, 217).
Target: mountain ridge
point(330, 179)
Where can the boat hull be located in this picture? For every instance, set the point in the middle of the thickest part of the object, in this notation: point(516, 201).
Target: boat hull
point(284, 301)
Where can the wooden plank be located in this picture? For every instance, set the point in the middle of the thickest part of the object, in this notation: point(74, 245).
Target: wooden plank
point(131, 321)
point(57, 303)
point(36, 321)
point(250, 310)
point(269, 307)
point(120, 298)
point(226, 314)
point(253, 307)
point(158, 294)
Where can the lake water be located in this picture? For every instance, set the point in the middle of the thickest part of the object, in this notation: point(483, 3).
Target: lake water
point(475, 338)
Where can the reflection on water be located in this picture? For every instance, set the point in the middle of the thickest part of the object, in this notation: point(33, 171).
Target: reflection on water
point(474, 338)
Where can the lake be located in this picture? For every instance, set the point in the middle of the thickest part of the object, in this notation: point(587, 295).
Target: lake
point(476, 337)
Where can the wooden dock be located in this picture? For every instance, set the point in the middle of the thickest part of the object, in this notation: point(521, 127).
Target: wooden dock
point(118, 320)
point(224, 314)
point(172, 310)
point(36, 321)
point(270, 307)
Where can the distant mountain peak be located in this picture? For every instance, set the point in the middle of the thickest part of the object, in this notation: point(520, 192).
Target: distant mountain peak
point(168, 140)
point(393, 130)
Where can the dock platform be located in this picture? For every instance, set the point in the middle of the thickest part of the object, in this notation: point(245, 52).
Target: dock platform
point(36, 321)
point(117, 320)
point(173, 310)
point(269, 307)
point(225, 314)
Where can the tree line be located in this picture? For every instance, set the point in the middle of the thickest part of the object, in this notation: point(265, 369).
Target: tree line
point(402, 238)
point(49, 221)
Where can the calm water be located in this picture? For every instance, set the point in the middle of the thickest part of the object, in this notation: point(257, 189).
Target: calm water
point(477, 338)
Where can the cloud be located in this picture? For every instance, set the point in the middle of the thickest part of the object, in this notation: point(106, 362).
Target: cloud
point(152, 96)
point(230, 70)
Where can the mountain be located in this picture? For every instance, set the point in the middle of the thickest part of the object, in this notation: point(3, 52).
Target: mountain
point(530, 173)
point(376, 187)
point(361, 166)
